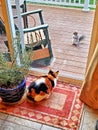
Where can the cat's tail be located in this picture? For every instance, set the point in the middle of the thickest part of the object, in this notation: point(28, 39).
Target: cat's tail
point(81, 38)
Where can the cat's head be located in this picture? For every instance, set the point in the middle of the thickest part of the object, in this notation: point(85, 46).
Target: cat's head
point(54, 74)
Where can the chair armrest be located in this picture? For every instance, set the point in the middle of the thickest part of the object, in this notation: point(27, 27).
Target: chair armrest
point(29, 12)
point(44, 26)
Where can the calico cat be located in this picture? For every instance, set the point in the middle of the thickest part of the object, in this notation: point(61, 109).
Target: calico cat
point(42, 87)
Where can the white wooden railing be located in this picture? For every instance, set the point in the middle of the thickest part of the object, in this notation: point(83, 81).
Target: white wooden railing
point(13, 2)
point(85, 4)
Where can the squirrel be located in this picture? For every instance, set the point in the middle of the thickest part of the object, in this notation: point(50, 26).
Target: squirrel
point(77, 39)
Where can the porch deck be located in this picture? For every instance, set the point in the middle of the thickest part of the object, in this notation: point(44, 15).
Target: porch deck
point(68, 59)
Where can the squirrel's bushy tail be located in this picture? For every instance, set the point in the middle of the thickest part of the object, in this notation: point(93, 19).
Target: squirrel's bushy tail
point(81, 38)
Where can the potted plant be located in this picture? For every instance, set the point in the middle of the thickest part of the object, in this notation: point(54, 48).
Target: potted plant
point(12, 79)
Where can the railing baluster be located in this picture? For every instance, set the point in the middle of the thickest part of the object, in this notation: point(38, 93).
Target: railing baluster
point(86, 6)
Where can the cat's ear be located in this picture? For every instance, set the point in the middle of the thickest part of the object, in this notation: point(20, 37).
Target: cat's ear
point(50, 71)
point(56, 73)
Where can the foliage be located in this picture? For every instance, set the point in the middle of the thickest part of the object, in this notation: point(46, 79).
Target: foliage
point(12, 74)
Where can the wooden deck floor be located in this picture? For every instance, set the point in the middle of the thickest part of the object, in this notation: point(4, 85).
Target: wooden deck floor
point(68, 59)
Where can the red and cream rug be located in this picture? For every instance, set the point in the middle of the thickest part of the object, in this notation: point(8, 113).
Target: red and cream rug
point(63, 109)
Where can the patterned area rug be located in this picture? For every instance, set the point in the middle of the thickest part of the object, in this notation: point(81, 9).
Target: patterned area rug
point(63, 109)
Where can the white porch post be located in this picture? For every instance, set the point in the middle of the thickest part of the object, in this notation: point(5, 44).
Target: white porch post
point(17, 2)
point(13, 32)
point(86, 6)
